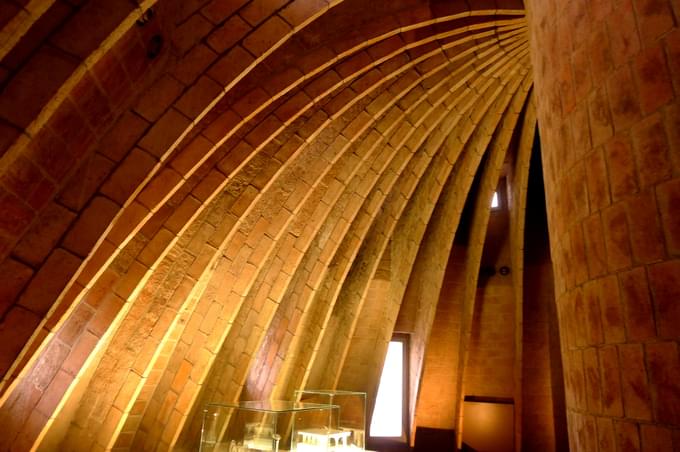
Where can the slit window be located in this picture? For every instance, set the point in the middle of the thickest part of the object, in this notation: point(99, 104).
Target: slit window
point(495, 201)
point(388, 415)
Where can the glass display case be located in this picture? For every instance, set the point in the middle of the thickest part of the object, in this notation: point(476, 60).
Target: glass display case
point(351, 411)
point(275, 426)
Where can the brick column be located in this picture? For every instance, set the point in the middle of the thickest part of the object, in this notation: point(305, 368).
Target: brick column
point(607, 76)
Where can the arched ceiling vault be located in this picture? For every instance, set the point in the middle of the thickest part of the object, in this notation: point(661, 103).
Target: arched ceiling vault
point(199, 199)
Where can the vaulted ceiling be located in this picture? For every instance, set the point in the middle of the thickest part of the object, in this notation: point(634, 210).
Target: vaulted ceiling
point(198, 197)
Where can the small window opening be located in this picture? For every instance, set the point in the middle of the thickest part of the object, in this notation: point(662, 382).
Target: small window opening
point(389, 414)
point(495, 201)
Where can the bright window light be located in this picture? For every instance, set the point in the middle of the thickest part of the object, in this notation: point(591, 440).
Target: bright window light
point(387, 418)
point(495, 203)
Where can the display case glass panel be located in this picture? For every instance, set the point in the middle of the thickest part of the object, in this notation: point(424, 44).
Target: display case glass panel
point(352, 412)
point(277, 426)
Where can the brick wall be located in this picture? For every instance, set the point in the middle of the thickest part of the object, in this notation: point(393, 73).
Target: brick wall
point(607, 100)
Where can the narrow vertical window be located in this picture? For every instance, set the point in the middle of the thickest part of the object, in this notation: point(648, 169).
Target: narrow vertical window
point(389, 414)
point(495, 202)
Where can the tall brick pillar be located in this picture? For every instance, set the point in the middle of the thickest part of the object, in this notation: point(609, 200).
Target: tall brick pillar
point(607, 76)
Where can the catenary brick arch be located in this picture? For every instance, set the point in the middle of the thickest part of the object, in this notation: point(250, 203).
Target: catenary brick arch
point(201, 197)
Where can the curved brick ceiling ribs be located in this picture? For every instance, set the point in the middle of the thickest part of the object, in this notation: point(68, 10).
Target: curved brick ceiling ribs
point(205, 224)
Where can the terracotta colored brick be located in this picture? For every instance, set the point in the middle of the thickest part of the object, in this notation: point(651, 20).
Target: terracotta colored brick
point(323, 83)
point(158, 98)
point(266, 35)
point(44, 234)
point(600, 9)
point(127, 390)
point(181, 376)
point(129, 176)
point(85, 181)
point(596, 173)
point(601, 62)
point(182, 214)
point(612, 312)
point(198, 97)
point(653, 80)
point(623, 32)
point(581, 128)
point(605, 434)
point(621, 164)
point(92, 23)
point(258, 10)
point(8, 135)
point(71, 127)
point(159, 188)
point(193, 64)
point(668, 198)
point(185, 399)
point(651, 151)
point(263, 131)
point(31, 88)
point(16, 215)
point(54, 393)
point(627, 435)
point(217, 10)
point(623, 99)
point(151, 227)
point(108, 426)
point(636, 398)
point(128, 220)
point(92, 102)
point(611, 384)
point(592, 372)
point(645, 230)
point(234, 158)
point(221, 126)
point(128, 282)
point(132, 52)
point(49, 281)
point(595, 245)
point(208, 185)
point(578, 382)
point(188, 34)
point(635, 297)
point(156, 247)
point(601, 126)
point(293, 106)
point(655, 438)
point(15, 277)
point(654, 17)
point(672, 122)
point(663, 281)
point(47, 366)
point(30, 431)
point(17, 326)
point(90, 226)
point(164, 133)
point(75, 324)
point(228, 34)
point(300, 12)
point(617, 240)
point(23, 177)
point(581, 73)
point(663, 369)
point(672, 41)
point(42, 150)
point(106, 313)
point(231, 65)
point(593, 321)
point(122, 136)
point(111, 77)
